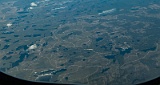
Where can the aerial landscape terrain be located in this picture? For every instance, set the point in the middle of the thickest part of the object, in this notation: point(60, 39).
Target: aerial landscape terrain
point(93, 42)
